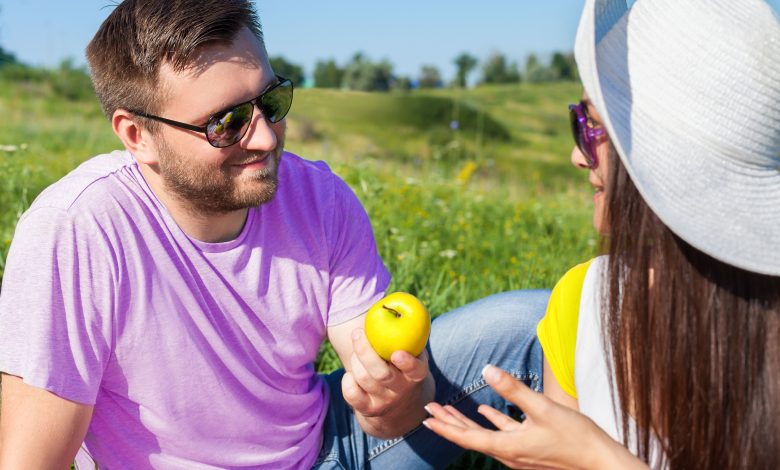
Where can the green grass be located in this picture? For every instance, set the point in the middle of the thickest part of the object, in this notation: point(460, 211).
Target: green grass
point(458, 214)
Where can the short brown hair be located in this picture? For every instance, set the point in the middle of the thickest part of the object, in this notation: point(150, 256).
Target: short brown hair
point(139, 36)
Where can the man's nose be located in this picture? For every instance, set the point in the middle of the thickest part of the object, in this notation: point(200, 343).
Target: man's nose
point(262, 134)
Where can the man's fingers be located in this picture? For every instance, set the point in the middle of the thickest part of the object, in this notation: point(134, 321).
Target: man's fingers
point(499, 420)
point(355, 396)
point(532, 403)
point(363, 378)
point(413, 368)
point(374, 365)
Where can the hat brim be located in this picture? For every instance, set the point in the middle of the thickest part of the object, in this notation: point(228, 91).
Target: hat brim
point(713, 181)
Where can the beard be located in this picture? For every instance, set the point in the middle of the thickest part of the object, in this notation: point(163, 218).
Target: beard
point(211, 189)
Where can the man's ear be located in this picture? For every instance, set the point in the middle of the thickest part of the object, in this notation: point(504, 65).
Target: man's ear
point(136, 139)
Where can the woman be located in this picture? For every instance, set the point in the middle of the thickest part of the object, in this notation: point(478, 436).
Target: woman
point(677, 355)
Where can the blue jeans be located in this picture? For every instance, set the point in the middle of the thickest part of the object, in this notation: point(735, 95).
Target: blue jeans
point(500, 330)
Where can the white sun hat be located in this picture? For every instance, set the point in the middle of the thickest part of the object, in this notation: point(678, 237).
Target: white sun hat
point(689, 92)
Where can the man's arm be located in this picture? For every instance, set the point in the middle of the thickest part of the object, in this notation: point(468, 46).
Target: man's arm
point(39, 430)
point(388, 398)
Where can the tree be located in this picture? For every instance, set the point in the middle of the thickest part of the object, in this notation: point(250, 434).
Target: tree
point(71, 82)
point(6, 58)
point(327, 74)
point(287, 69)
point(429, 77)
point(496, 70)
point(536, 72)
point(465, 64)
point(564, 66)
point(361, 74)
point(402, 83)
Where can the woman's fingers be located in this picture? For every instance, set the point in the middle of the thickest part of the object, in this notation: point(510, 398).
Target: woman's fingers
point(444, 415)
point(463, 418)
point(499, 420)
point(478, 438)
point(532, 403)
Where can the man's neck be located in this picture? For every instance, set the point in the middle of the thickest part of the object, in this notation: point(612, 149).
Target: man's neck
point(202, 226)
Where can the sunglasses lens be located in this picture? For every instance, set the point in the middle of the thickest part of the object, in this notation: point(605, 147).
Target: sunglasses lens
point(575, 127)
point(276, 102)
point(224, 130)
point(578, 132)
point(228, 128)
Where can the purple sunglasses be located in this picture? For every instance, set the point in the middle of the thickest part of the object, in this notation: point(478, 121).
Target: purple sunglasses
point(585, 136)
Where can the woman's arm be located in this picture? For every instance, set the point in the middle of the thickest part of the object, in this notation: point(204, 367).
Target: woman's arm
point(553, 390)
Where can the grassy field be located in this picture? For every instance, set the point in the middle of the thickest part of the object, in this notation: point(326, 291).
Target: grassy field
point(470, 192)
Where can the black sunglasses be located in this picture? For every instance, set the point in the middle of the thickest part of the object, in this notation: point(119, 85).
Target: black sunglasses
point(227, 127)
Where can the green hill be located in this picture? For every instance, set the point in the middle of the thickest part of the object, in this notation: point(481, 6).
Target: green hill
point(517, 135)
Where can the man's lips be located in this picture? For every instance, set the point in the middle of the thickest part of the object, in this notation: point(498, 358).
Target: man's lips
point(254, 161)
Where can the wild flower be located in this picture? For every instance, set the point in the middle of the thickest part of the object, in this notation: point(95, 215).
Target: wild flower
point(466, 172)
point(449, 254)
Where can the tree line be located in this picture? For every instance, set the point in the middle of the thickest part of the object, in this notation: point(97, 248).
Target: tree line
point(361, 73)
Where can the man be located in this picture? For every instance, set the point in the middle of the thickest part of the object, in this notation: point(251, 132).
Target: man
point(163, 306)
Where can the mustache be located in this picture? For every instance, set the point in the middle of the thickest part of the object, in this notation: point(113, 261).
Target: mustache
point(251, 157)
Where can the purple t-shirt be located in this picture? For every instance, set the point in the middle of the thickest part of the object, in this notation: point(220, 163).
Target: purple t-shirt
point(195, 355)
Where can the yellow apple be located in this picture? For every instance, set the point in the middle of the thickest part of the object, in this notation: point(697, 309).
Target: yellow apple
point(398, 322)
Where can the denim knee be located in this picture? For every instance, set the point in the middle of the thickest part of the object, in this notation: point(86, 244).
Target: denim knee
point(514, 313)
point(499, 330)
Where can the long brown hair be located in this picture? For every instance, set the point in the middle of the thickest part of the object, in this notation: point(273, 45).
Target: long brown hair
point(695, 343)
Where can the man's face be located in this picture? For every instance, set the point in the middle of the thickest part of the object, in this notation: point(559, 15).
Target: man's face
point(219, 180)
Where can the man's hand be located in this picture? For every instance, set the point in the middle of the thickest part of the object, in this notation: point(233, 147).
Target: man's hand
point(375, 388)
point(388, 398)
point(39, 430)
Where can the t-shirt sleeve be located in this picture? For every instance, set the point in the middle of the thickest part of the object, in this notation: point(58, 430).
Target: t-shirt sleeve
point(55, 305)
point(557, 331)
point(358, 277)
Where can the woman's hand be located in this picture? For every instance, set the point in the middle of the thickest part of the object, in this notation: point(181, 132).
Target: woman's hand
point(552, 436)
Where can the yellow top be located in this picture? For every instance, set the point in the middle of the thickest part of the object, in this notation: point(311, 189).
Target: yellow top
point(557, 331)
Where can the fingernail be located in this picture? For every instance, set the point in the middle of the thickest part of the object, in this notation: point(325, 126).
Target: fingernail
point(490, 372)
point(425, 423)
point(356, 333)
point(427, 409)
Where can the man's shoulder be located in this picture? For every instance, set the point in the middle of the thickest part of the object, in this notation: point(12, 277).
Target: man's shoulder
point(309, 178)
point(78, 186)
point(296, 166)
point(85, 192)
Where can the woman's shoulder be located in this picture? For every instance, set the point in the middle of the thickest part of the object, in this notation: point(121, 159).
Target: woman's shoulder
point(574, 277)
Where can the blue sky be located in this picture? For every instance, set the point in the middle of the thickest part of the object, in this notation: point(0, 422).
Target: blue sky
point(409, 33)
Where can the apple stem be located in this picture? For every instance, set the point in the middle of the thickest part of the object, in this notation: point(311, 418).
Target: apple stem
point(395, 312)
